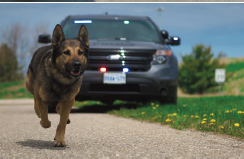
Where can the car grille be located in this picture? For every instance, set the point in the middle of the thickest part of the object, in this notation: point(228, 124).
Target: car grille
point(135, 60)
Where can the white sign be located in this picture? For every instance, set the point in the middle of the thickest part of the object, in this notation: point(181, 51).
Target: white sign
point(220, 75)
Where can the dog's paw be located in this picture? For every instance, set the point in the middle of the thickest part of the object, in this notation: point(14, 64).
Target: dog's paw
point(59, 144)
point(46, 124)
point(68, 121)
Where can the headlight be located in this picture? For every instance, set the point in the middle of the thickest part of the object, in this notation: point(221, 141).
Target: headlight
point(160, 59)
point(161, 56)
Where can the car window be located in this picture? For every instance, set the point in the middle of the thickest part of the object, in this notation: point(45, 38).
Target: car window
point(137, 30)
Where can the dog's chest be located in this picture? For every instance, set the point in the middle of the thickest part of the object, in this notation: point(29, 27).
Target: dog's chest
point(60, 93)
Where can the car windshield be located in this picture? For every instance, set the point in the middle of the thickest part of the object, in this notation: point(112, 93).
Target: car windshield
point(112, 29)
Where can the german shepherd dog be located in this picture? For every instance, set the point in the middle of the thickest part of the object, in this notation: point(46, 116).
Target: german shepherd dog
point(54, 77)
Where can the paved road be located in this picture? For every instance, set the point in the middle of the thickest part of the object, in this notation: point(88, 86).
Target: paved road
point(103, 135)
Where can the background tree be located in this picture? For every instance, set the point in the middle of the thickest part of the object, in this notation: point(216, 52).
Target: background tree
point(16, 36)
point(9, 70)
point(19, 42)
point(40, 28)
point(196, 74)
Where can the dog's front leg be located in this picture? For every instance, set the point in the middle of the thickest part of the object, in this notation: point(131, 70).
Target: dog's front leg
point(65, 108)
point(43, 112)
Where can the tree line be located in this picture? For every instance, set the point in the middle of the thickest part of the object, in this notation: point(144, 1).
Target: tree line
point(16, 43)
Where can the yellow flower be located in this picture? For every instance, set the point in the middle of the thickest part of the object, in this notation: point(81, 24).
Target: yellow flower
point(142, 112)
point(205, 115)
point(174, 114)
point(196, 116)
point(211, 124)
point(212, 114)
point(185, 116)
point(203, 122)
point(242, 113)
point(157, 105)
point(239, 112)
point(227, 111)
point(212, 120)
point(192, 116)
point(169, 115)
point(154, 108)
point(184, 105)
point(236, 125)
point(152, 103)
point(230, 111)
point(221, 127)
point(205, 119)
point(234, 109)
point(168, 120)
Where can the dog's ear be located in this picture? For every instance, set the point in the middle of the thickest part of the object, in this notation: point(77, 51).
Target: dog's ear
point(83, 35)
point(58, 36)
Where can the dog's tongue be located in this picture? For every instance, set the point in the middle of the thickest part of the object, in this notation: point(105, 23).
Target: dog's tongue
point(75, 72)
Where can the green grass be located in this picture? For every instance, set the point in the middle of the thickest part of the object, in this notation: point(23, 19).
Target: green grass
point(9, 84)
point(10, 90)
point(235, 66)
point(216, 114)
point(235, 84)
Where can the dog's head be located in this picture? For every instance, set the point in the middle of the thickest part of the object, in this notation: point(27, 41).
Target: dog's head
point(70, 56)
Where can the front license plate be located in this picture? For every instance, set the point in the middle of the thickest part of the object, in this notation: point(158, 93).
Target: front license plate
point(114, 78)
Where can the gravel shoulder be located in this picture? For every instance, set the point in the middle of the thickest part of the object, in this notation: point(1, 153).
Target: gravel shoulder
point(103, 135)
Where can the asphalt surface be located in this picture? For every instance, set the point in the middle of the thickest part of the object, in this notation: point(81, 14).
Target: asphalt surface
point(103, 135)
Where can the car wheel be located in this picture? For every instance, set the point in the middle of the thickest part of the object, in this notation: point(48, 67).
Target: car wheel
point(171, 101)
point(174, 100)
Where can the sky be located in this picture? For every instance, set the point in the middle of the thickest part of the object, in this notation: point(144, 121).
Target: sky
point(219, 25)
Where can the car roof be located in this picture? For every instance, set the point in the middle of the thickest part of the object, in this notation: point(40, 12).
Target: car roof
point(108, 17)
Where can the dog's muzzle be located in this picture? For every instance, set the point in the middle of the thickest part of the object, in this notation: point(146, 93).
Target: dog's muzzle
point(76, 65)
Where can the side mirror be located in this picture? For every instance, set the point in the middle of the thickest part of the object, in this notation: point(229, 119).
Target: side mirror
point(173, 40)
point(165, 34)
point(44, 38)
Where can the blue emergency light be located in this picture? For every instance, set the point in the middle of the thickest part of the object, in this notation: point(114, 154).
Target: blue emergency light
point(125, 70)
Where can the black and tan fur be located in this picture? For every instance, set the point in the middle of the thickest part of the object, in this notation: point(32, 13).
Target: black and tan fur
point(55, 75)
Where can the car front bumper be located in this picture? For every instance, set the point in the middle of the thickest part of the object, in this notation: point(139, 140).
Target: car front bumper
point(159, 81)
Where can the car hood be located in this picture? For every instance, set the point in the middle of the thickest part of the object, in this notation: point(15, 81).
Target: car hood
point(119, 44)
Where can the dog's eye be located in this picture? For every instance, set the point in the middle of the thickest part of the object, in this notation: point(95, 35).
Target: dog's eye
point(66, 53)
point(80, 52)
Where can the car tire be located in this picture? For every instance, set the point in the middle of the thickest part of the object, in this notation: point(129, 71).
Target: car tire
point(173, 100)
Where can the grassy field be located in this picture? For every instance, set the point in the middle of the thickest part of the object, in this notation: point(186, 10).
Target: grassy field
point(11, 90)
point(216, 114)
point(235, 85)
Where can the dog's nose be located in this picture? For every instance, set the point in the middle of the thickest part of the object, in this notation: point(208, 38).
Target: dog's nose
point(76, 64)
